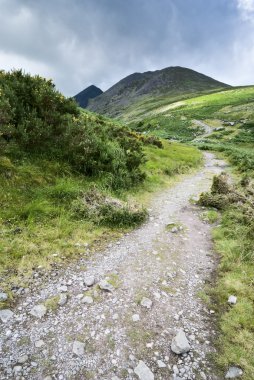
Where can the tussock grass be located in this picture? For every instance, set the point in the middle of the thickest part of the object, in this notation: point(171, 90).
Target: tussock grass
point(234, 241)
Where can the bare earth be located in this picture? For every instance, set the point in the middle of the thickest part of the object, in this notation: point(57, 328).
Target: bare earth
point(169, 268)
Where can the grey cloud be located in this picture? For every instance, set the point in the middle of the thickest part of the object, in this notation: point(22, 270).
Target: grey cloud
point(81, 42)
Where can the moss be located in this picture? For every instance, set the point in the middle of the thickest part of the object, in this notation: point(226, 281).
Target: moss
point(52, 303)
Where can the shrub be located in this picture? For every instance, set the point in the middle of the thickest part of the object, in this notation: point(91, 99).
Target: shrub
point(37, 119)
point(104, 210)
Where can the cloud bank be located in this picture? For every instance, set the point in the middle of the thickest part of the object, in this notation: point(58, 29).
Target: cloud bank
point(85, 42)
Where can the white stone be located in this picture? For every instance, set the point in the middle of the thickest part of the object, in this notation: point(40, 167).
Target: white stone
point(39, 343)
point(89, 280)
point(3, 296)
point(161, 364)
point(232, 300)
point(22, 359)
point(105, 285)
point(143, 372)
point(63, 288)
point(62, 299)
point(180, 344)
point(17, 369)
point(38, 311)
point(234, 372)
point(5, 315)
point(78, 348)
point(135, 318)
point(146, 302)
point(87, 299)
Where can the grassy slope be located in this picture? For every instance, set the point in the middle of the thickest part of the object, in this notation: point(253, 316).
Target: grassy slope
point(148, 106)
point(174, 120)
point(38, 223)
point(232, 237)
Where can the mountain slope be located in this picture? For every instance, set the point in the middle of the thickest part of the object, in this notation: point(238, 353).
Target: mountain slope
point(83, 97)
point(137, 87)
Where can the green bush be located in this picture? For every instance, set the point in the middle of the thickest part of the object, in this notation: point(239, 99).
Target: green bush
point(35, 119)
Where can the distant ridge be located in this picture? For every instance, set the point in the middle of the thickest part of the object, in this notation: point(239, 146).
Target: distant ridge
point(83, 97)
point(173, 81)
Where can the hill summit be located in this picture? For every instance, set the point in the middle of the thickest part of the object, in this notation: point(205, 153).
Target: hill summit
point(171, 81)
point(83, 97)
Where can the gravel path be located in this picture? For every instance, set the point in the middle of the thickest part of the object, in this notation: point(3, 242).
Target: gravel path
point(103, 335)
point(208, 129)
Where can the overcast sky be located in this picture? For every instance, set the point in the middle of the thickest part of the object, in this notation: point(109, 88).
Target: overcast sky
point(83, 42)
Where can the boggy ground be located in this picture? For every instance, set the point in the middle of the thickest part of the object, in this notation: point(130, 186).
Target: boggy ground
point(168, 260)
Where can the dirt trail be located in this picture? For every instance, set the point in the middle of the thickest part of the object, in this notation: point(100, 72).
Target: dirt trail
point(169, 268)
point(208, 129)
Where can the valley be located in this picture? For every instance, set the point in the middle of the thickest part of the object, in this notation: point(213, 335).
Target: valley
point(118, 233)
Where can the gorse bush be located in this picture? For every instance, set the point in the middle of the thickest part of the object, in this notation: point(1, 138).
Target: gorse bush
point(38, 116)
point(37, 119)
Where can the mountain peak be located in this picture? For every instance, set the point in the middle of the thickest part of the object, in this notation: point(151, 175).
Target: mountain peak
point(170, 81)
point(83, 97)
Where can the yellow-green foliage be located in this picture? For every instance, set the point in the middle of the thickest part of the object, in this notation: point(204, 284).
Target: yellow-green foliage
point(174, 159)
point(39, 224)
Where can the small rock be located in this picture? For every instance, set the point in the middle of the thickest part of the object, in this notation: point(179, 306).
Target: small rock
point(232, 300)
point(63, 288)
point(62, 299)
point(180, 344)
point(38, 311)
point(174, 230)
point(234, 372)
point(5, 315)
point(22, 359)
point(17, 369)
point(87, 299)
point(89, 280)
point(3, 296)
point(135, 318)
point(39, 343)
point(143, 372)
point(161, 364)
point(146, 302)
point(78, 348)
point(105, 285)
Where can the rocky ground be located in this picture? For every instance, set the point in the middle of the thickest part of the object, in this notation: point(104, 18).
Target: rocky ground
point(115, 315)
